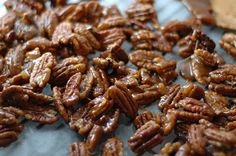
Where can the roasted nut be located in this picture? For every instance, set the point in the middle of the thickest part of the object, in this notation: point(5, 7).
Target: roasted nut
point(113, 146)
point(227, 42)
point(217, 102)
point(94, 137)
point(121, 96)
point(146, 137)
point(42, 70)
point(220, 138)
point(79, 149)
point(113, 22)
point(146, 116)
point(19, 96)
point(41, 114)
point(196, 139)
point(47, 23)
point(71, 12)
point(66, 68)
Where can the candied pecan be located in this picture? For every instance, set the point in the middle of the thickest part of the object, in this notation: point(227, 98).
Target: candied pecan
point(181, 130)
point(163, 45)
point(146, 137)
point(146, 1)
point(168, 122)
point(186, 69)
point(41, 114)
point(169, 148)
point(143, 39)
point(9, 134)
point(58, 102)
point(205, 57)
point(175, 30)
point(37, 5)
point(92, 12)
point(151, 61)
point(111, 11)
point(146, 116)
point(43, 44)
point(149, 93)
point(89, 33)
point(223, 89)
point(24, 30)
point(66, 68)
point(71, 12)
point(79, 149)
point(147, 77)
point(217, 102)
point(7, 118)
point(56, 3)
point(109, 121)
point(94, 137)
point(20, 96)
point(196, 139)
point(80, 120)
point(86, 83)
point(101, 82)
point(42, 70)
point(228, 42)
point(62, 33)
point(230, 126)
point(198, 40)
point(201, 72)
point(111, 38)
point(47, 23)
point(6, 29)
point(113, 146)
point(113, 22)
point(142, 12)
point(193, 91)
point(220, 138)
point(121, 96)
point(169, 100)
point(225, 74)
point(71, 94)
point(196, 106)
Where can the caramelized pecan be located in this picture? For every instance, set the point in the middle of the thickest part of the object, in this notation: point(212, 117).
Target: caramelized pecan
point(113, 146)
point(146, 116)
point(227, 42)
point(79, 149)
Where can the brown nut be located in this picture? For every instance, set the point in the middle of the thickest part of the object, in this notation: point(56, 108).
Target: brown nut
point(113, 146)
point(79, 149)
point(193, 91)
point(227, 42)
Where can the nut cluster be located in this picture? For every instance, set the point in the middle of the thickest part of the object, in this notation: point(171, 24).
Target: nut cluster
point(76, 52)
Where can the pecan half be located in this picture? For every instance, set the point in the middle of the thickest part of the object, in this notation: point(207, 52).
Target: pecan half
point(121, 96)
point(146, 116)
point(94, 137)
point(41, 72)
point(113, 146)
point(146, 137)
point(169, 148)
point(113, 22)
point(79, 149)
point(228, 42)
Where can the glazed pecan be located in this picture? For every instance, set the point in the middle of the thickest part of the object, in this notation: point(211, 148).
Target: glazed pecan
point(228, 42)
point(196, 139)
point(20, 96)
point(113, 22)
point(111, 11)
point(58, 102)
point(71, 12)
point(176, 30)
point(47, 23)
point(184, 150)
point(121, 96)
point(168, 122)
point(217, 102)
point(146, 137)
point(146, 116)
point(9, 134)
point(198, 40)
point(94, 137)
point(79, 149)
point(43, 44)
point(181, 130)
point(101, 82)
point(223, 89)
point(66, 68)
point(193, 91)
point(169, 148)
point(205, 57)
point(113, 146)
point(111, 38)
point(220, 138)
point(142, 12)
point(151, 61)
point(169, 100)
point(7, 118)
point(42, 70)
point(58, 2)
point(149, 93)
point(40, 114)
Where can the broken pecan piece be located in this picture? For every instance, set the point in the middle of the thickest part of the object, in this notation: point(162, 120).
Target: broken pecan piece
point(113, 146)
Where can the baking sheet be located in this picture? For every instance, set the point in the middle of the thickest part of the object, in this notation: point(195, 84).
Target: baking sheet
point(54, 140)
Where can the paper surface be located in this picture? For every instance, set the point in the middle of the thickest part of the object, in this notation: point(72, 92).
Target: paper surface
point(54, 140)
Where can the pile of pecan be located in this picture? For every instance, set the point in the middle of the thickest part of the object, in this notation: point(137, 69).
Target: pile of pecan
point(63, 61)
